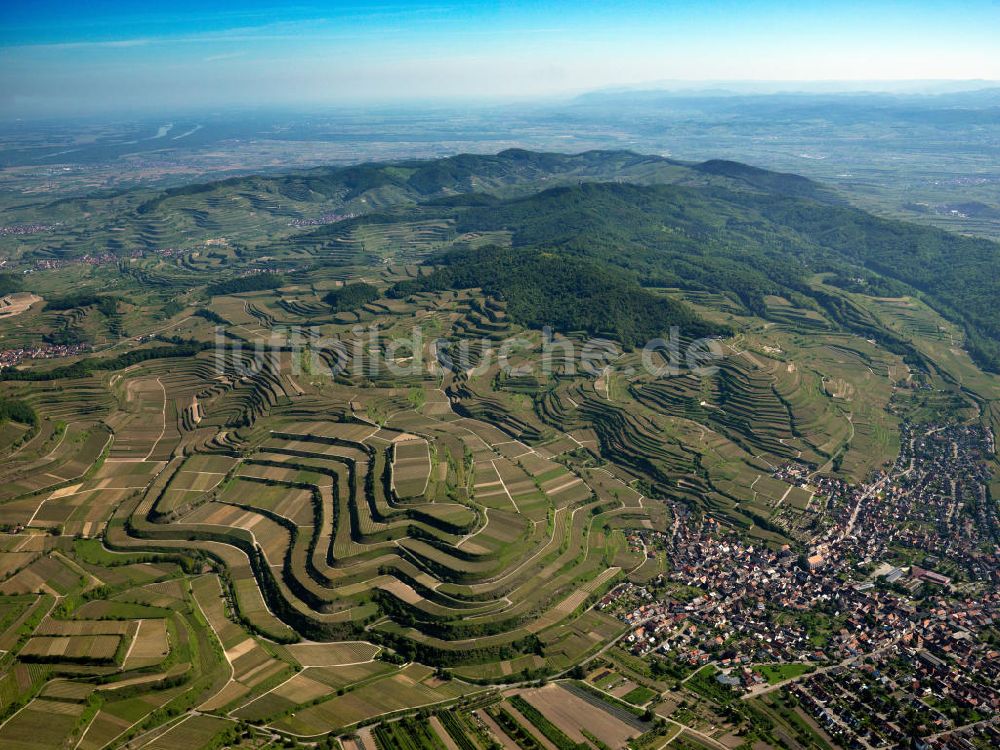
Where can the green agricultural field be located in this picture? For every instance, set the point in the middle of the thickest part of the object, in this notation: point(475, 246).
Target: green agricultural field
point(778, 672)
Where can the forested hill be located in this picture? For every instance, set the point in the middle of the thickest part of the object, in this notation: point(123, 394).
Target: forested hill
point(255, 208)
point(643, 220)
point(569, 294)
point(753, 243)
point(384, 184)
point(507, 173)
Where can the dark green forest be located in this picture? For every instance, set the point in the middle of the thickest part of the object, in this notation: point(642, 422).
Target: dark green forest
point(351, 296)
point(749, 244)
point(10, 283)
point(17, 411)
point(253, 283)
point(567, 293)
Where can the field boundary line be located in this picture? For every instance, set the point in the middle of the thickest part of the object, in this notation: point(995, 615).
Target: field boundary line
point(132, 644)
point(163, 419)
point(232, 669)
point(493, 463)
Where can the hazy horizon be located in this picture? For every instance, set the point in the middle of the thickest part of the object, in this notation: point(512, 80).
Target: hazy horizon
point(59, 59)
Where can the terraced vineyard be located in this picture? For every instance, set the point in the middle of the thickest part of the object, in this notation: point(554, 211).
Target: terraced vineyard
point(329, 513)
point(240, 507)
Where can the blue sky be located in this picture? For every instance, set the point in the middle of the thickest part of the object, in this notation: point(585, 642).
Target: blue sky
point(58, 56)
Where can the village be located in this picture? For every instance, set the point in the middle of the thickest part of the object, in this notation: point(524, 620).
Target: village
point(893, 605)
point(15, 356)
point(15, 230)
